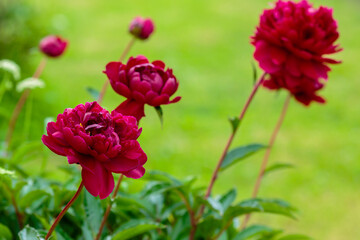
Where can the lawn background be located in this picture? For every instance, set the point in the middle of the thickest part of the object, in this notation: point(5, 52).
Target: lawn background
point(207, 45)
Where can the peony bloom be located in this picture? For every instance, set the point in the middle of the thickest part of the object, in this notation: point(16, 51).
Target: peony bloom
point(141, 28)
point(53, 46)
point(141, 82)
point(100, 142)
point(292, 41)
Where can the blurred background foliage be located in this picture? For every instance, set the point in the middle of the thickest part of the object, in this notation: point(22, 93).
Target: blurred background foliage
point(207, 45)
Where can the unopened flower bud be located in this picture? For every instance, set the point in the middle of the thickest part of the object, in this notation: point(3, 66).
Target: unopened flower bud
point(141, 28)
point(53, 46)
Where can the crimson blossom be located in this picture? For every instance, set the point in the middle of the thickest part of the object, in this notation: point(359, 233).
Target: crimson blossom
point(53, 46)
point(141, 82)
point(100, 142)
point(292, 41)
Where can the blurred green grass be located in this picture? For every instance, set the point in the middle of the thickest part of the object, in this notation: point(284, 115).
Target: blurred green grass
point(207, 45)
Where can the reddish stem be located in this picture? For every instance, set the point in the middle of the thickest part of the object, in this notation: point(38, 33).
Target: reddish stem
point(20, 104)
point(266, 156)
point(226, 149)
point(62, 213)
point(106, 83)
point(107, 212)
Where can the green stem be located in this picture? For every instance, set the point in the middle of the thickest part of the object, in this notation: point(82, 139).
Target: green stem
point(266, 156)
point(226, 149)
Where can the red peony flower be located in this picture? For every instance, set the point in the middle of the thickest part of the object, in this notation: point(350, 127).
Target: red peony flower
point(291, 42)
point(141, 82)
point(53, 46)
point(141, 28)
point(102, 143)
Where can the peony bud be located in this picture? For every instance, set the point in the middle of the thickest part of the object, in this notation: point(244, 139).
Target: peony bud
point(53, 46)
point(141, 28)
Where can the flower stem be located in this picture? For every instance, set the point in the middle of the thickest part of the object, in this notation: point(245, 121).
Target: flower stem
point(226, 149)
point(20, 104)
point(62, 213)
point(266, 156)
point(107, 212)
point(122, 57)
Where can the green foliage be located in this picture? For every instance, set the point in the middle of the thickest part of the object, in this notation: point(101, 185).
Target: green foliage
point(235, 122)
point(240, 153)
point(94, 93)
point(5, 233)
point(134, 228)
point(278, 166)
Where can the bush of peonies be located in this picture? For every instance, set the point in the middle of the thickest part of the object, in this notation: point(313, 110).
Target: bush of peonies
point(292, 43)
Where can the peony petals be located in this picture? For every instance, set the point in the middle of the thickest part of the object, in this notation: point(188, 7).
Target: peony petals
point(136, 173)
point(131, 108)
point(53, 146)
point(162, 99)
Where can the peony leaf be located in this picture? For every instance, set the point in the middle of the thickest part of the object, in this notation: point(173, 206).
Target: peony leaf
point(240, 153)
point(278, 166)
point(93, 212)
point(10, 67)
point(134, 228)
point(274, 206)
point(5, 233)
point(31, 197)
point(30, 83)
point(208, 226)
point(29, 233)
point(235, 122)
point(227, 199)
point(159, 112)
point(93, 93)
point(258, 232)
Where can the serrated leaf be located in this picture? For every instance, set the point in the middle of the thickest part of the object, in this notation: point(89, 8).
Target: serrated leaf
point(5, 233)
point(295, 237)
point(278, 166)
point(160, 114)
point(93, 211)
point(93, 93)
point(10, 67)
point(134, 228)
point(234, 121)
point(240, 153)
point(30, 83)
point(29, 233)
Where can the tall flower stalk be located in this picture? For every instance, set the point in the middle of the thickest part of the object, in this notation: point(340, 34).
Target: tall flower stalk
point(225, 151)
point(62, 213)
point(267, 155)
point(122, 57)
